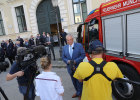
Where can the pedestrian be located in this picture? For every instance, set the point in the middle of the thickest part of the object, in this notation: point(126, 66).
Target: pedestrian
point(31, 40)
point(97, 74)
point(43, 38)
point(14, 51)
point(63, 37)
point(48, 84)
point(9, 51)
point(27, 44)
point(2, 55)
point(38, 40)
point(49, 42)
point(72, 55)
point(23, 77)
point(3, 44)
point(21, 41)
point(17, 44)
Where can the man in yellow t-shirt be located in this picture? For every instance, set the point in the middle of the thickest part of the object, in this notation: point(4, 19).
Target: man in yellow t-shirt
point(98, 85)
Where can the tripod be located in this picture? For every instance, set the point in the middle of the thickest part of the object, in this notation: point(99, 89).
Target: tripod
point(3, 94)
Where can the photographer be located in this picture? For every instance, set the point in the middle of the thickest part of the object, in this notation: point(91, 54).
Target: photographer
point(23, 77)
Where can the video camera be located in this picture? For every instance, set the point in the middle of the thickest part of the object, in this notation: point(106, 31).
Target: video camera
point(3, 66)
point(28, 57)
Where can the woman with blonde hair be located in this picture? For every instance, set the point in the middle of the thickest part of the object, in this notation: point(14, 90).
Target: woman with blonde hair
point(48, 84)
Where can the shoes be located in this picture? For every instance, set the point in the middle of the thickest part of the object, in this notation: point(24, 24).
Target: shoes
point(79, 98)
point(75, 95)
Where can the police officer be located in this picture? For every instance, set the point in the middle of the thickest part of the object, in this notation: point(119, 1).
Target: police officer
point(97, 74)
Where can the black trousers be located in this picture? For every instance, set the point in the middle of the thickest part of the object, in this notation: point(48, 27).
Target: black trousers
point(52, 50)
point(10, 59)
point(63, 41)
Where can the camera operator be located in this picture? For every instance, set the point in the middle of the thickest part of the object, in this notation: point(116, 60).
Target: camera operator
point(23, 77)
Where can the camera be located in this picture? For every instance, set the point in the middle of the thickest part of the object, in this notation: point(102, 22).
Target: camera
point(3, 66)
point(27, 57)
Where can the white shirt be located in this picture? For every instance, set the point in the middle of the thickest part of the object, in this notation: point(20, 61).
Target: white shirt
point(49, 86)
point(72, 47)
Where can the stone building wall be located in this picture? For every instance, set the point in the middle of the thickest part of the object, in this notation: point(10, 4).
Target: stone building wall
point(7, 9)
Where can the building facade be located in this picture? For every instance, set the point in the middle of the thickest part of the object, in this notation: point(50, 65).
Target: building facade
point(30, 17)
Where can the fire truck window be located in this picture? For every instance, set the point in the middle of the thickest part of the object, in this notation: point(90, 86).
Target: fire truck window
point(80, 33)
point(93, 32)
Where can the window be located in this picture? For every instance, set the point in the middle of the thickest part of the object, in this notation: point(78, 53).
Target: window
point(21, 19)
point(2, 31)
point(80, 10)
point(91, 32)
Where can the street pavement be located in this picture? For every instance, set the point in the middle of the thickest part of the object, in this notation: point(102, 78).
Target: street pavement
point(11, 87)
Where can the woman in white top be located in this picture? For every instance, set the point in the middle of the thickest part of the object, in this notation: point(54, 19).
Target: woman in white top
point(48, 84)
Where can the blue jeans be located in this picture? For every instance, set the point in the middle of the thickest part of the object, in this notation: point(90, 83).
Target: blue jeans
point(31, 95)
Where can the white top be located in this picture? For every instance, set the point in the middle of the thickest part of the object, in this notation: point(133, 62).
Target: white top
point(49, 86)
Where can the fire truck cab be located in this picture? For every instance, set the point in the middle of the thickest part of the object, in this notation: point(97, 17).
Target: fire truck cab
point(117, 25)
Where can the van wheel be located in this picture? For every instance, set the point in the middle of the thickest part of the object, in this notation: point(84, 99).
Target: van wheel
point(123, 90)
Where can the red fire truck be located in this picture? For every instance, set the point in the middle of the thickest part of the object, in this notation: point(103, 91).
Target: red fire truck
point(117, 25)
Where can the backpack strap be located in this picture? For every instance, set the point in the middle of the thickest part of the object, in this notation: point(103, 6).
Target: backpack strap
point(98, 68)
point(102, 72)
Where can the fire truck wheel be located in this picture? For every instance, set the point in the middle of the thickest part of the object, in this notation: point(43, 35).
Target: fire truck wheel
point(126, 91)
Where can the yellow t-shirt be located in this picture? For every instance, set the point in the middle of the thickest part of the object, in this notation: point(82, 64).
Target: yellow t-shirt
point(97, 87)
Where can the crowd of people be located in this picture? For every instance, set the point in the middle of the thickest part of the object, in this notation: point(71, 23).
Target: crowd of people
point(91, 80)
point(9, 48)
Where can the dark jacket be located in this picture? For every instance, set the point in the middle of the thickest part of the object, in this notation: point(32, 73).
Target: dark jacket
point(31, 41)
point(38, 41)
point(2, 55)
point(9, 50)
point(21, 41)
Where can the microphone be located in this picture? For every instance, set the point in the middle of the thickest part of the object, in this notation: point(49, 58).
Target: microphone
point(73, 48)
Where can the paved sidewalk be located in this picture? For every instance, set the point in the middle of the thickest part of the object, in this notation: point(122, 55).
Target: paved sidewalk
point(58, 62)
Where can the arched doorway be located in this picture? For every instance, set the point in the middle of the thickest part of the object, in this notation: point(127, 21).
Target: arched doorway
point(46, 17)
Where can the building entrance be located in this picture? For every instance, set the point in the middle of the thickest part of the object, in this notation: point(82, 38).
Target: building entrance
point(46, 18)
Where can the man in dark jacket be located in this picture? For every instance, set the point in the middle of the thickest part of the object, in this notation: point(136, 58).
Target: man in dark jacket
point(31, 40)
point(3, 44)
point(49, 43)
point(38, 39)
point(63, 37)
point(21, 41)
point(9, 51)
point(27, 44)
point(2, 55)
